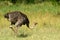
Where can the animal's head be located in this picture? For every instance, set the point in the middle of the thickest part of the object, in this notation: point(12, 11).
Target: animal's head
point(6, 15)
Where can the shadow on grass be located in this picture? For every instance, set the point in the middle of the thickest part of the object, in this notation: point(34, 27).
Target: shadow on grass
point(23, 35)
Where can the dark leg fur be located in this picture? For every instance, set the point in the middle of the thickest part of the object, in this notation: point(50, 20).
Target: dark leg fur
point(27, 24)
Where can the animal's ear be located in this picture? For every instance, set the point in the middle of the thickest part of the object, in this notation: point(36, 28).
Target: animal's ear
point(6, 15)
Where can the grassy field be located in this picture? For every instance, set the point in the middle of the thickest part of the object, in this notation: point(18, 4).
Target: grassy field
point(45, 14)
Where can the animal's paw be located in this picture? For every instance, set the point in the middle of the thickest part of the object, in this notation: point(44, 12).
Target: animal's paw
point(10, 27)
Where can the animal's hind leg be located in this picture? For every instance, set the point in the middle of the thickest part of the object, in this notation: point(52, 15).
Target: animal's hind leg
point(18, 23)
point(27, 24)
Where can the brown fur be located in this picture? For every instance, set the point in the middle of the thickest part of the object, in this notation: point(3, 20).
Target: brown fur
point(17, 18)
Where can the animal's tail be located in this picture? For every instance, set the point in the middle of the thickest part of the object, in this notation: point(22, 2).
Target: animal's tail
point(34, 25)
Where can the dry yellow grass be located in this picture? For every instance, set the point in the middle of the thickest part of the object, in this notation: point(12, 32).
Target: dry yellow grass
point(45, 14)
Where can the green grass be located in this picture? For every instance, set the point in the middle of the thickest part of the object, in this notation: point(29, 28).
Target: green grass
point(45, 14)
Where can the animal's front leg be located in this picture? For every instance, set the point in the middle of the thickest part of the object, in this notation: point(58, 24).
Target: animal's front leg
point(12, 29)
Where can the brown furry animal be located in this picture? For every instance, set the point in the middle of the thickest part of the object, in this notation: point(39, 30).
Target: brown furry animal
point(17, 18)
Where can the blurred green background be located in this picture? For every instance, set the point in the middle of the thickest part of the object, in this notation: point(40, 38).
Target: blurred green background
point(45, 12)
